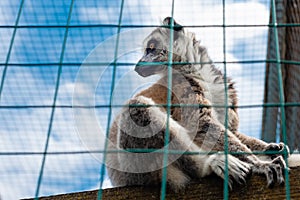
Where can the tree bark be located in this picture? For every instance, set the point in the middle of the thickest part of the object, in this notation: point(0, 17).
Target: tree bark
point(208, 188)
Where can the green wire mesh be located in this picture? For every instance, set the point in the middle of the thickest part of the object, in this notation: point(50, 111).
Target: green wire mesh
point(287, 18)
point(274, 23)
point(66, 58)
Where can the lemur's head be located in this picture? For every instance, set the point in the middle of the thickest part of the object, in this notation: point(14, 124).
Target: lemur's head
point(157, 48)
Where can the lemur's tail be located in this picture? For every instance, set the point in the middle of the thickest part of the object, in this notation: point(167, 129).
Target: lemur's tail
point(294, 160)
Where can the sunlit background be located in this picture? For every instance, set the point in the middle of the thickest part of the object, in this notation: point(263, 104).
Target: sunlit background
point(35, 46)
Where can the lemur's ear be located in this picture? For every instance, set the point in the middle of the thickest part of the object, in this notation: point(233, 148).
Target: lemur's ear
point(168, 20)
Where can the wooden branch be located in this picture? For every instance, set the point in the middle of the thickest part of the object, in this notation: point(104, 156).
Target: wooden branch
point(208, 188)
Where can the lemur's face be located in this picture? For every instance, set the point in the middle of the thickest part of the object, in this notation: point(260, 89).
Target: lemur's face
point(156, 50)
point(155, 57)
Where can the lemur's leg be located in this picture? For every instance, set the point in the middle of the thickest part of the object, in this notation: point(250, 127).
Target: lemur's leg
point(136, 127)
point(258, 145)
point(272, 169)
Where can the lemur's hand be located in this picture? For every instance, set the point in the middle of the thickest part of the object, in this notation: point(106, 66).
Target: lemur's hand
point(273, 170)
point(277, 147)
point(237, 169)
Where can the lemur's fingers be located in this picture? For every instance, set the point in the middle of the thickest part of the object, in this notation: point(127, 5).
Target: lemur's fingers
point(236, 166)
point(237, 169)
point(267, 170)
point(280, 161)
point(272, 170)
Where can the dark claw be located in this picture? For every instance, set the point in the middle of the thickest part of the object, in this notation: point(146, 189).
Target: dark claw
point(277, 150)
point(275, 147)
point(269, 175)
point(242, 181)
point(279, 161)
point(230, 183)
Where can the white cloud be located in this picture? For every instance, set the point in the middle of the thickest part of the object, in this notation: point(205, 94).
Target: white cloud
point(247, 13)
point(100, 15)
point(18, 176)
point(194, 12)
point(27, 136)
point(8, 10)
point(27, 86)
point(5, 37)
point(26, 130)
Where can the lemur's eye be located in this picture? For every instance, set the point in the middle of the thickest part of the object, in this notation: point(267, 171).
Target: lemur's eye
point(151, 48)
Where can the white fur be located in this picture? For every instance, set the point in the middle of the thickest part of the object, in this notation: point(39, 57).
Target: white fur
point(211, 82)
point(294, 160)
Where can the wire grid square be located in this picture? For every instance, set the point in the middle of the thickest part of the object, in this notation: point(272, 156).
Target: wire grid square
point(39, 41)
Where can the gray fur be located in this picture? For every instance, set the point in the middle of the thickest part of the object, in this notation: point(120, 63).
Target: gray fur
point(194, 129)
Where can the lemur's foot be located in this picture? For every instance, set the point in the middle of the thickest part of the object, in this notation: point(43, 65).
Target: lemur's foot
point(237, 169)
point(277, 147)
point(272, 170)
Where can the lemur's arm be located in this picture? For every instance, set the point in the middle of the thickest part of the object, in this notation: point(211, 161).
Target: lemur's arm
point(142, 112)
point(204, 163)
point(251, 142)
point(275, 149)
point(271, 168)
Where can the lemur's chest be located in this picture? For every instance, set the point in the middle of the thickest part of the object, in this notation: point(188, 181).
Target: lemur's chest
point(186, 92)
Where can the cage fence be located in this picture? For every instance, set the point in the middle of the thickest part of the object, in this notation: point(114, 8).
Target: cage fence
point(47, 149)
point(288, 15)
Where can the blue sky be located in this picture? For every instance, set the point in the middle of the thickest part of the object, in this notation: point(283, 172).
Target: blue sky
point(25, 129)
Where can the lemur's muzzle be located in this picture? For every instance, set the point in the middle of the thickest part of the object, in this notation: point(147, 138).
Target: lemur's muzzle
point(148, 66)
point(145, 69)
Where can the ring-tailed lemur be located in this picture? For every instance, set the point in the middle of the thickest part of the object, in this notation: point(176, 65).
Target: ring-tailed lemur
point(144, 125)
